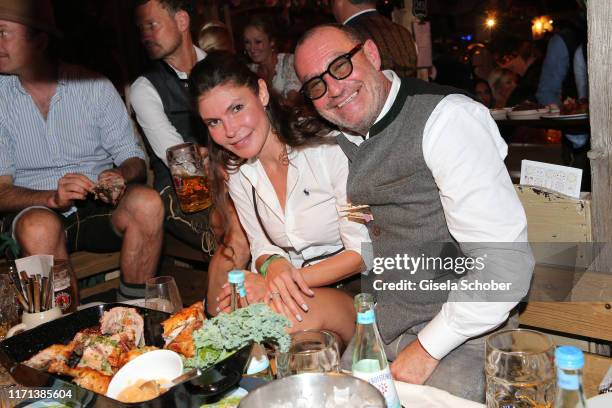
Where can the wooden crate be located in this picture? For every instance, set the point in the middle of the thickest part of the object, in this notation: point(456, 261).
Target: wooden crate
point(558, 226)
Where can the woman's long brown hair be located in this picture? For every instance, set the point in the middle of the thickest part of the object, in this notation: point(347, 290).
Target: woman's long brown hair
point(293, 128)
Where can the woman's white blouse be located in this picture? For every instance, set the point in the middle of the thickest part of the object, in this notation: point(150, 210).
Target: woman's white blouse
point(311, 224)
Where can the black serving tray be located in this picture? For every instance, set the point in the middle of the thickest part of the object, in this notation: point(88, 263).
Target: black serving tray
point(204, 389)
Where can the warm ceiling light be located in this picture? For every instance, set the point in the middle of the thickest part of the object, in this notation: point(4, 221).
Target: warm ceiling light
point(540, 25)
point(490, 22)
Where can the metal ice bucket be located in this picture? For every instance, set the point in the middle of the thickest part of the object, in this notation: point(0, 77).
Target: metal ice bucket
point(325, 390)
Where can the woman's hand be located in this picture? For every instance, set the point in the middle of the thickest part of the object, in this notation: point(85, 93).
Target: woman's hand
point(255, 287)
point(285, 286)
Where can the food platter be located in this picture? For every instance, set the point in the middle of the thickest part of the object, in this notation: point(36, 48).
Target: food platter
point(499, 114)
point(526, 114)
point(204, 389)
point(557, 116)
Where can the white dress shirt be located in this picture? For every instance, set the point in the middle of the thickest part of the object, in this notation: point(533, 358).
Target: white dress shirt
point(311, 224)
point(465, 153)
point(149, 109)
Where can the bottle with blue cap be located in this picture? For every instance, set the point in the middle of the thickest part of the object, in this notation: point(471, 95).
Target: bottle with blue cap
point(259, 364)
point(570, 362)
point(369, 359)
point(235, 279)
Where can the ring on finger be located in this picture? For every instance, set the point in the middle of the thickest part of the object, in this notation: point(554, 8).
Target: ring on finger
point(272, 294)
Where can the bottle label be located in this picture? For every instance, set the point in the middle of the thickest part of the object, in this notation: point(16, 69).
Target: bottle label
point(568, 381)
point(369, 370)
point(366, 317)
point(61, 289)
point(241, 291)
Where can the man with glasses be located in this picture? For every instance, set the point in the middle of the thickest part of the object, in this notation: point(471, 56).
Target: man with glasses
point(428, 162)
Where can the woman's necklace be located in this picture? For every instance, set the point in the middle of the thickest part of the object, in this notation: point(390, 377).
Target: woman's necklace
point(283, 158)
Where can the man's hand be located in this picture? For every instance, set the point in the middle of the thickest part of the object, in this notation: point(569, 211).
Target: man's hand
point(413, 364)
point(71, 187)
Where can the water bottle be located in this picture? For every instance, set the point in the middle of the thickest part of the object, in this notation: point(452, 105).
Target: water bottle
point(259, 364)
point(570, 362)
point(238, 292)
point(369, 359)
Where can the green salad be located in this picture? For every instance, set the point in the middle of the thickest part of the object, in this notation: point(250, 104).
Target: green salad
point(224, 334)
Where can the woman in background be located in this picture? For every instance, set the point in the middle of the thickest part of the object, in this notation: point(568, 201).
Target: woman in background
point(214, 36)
point(483, 93)
point(502, 82)
point(260, 43)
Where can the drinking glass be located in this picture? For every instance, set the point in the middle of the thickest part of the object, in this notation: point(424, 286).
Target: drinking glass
point(520, 369)
point(9, 315)
point(162, 294)
point(189, 177)
point(311, 351)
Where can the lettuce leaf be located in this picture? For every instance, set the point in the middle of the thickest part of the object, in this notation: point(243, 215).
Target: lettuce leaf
point(224, 334)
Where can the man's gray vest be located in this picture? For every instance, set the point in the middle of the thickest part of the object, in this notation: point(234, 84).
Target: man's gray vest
point(388, 172)
point(174, 93)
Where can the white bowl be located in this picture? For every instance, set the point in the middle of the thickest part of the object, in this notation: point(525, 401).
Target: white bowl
point(154, 365)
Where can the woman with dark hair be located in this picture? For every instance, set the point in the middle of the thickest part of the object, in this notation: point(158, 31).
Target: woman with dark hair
point(483, 93)
point(260, 44)
point(288, 184)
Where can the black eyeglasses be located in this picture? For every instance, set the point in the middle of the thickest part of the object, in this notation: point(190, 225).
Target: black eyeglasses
point(339, 68)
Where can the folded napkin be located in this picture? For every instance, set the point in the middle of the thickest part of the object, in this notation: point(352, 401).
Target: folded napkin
point(424, 396)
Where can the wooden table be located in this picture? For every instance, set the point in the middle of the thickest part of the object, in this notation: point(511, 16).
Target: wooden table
point(595, 367)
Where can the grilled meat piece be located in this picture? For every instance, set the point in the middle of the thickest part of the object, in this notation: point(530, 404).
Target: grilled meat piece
point(123, 320)
point(56, 352)
point(93, 380)
point(109, 190)
point(178, 329)
point(103, 354)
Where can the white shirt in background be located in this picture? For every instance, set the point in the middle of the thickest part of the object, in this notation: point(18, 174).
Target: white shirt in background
point(149, 109)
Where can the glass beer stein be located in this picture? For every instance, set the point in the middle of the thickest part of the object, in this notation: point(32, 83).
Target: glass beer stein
point(520, 369)
point(189, 177)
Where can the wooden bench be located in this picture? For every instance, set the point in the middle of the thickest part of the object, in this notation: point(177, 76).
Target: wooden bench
point(88, 264)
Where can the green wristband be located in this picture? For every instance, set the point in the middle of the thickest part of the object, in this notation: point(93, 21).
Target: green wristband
point(263, 270)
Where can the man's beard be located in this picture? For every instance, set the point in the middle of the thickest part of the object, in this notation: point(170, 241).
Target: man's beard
point(362, 127)
point(158, 52)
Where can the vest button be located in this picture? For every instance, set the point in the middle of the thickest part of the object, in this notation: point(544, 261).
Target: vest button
point(376, 231)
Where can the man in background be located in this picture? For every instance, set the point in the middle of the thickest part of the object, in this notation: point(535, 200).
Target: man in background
point(395, 43)
point(62, 129)
point(162, 103)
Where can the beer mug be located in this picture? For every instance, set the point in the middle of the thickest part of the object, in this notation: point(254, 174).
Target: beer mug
point(519, 369)
point(189, 177)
